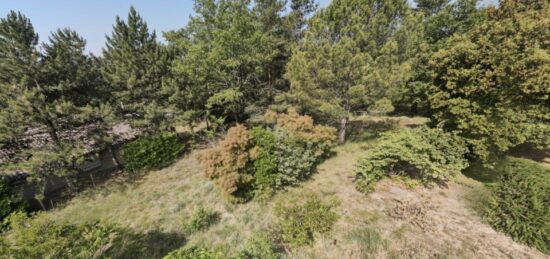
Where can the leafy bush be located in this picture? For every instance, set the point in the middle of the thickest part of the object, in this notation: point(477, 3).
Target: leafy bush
point(8, 204)
point(282, 160)
point(39, 237)
point(230, 164)
point(202, 220)
point(427, 154)
point(151, 152)
point(259, 246)
point(520, 203)
point(193, 252)
point(266, 162)
point(302, 129)
point(267, 159)
point(298, 223)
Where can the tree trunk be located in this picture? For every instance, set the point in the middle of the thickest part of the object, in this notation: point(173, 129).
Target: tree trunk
point(69, 185)
point(93, 181)
point(52, 131)
point(115, 158)
point(342, 132)
point(41, 204)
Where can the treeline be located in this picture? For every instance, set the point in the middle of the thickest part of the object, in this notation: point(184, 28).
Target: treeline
point(483, 73)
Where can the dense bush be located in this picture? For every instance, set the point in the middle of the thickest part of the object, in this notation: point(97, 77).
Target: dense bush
point(193, 252)
point(297, 224)
point(266, 159)
point(520, 203)
point(9, 203)
point(427, 154)
point(39, 237)
point(491, 84)
point(202, 220)
point(230, 164)
point(151, 152)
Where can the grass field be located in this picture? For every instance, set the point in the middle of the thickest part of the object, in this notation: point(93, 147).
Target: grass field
point(395, 221)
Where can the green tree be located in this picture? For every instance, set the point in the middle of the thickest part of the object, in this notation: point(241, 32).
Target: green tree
point(74, 74)
point(353, 54)
point(491, 85)
point(41, 93)
point(221, 66)
point(441, 20)
point(134, 65)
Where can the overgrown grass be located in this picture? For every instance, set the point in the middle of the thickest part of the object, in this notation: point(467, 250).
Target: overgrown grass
point(299, 222)
point(202, 220)
point(151, 209)
point(370, 242)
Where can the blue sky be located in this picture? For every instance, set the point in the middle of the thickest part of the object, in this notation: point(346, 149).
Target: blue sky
point(93, 19)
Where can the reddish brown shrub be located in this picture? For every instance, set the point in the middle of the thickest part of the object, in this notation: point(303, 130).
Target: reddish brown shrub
point(229, 164)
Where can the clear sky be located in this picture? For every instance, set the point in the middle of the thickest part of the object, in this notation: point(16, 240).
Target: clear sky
point(93, 19)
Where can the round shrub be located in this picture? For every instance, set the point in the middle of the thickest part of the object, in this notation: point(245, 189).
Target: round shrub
point(430, 155)
point(298, 223)
point(229, 164)
point(151, 152)
point(265, 159)
point(520, 203)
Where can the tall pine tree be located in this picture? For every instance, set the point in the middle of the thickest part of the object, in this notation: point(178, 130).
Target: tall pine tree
point(355, 53)
point(134, 65)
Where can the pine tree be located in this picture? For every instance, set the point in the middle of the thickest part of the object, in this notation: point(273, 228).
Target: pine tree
point(221, 67)
point(18, 70)
point(354, 53)
point(75, 75)
point(133, 65)
point(41, 92)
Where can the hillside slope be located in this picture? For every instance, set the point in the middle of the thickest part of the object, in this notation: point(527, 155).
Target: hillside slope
point(393, 222)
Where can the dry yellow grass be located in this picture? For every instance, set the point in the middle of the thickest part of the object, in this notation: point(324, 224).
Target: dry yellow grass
point(393, 222)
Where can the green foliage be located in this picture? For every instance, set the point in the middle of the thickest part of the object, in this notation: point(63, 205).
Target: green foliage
point(282, 160)
point(259, 246)
point(202, 220)
point(39, 237)
point(134, 64)
point(491, 85)
point(442, 19)
point(520, 203)
point(427, 154)
point(151, 152)
point(299, 222)
point(192, 252)
point(267, 159)
point(353, 54)
point(9, 204)
point(221, 61)
point(381, 107)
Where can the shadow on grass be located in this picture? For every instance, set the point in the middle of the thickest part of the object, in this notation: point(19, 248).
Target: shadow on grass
point(482, 173)
point(361, 130)
point(528, 152)
point(152, 244)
